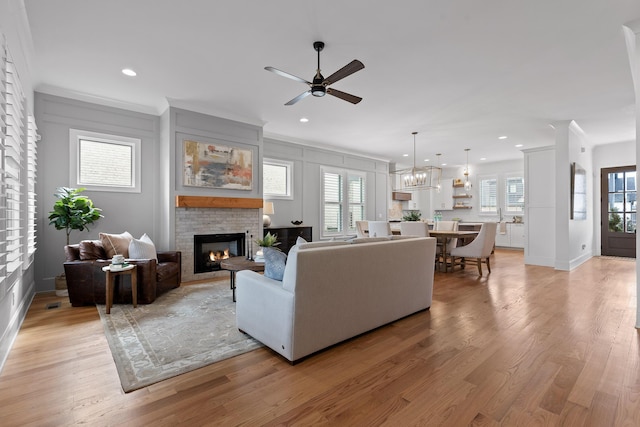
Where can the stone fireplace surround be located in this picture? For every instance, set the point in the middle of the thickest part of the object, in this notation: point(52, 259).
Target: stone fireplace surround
point(213, 215)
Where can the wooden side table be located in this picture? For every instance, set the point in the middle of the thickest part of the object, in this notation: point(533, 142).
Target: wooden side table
point(237, 263)
point(129, 270)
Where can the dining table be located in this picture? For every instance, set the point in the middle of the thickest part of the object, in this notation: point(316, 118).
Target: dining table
point(443, 235)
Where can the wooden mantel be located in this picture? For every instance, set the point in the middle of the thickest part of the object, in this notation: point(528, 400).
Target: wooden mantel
point(217, 202)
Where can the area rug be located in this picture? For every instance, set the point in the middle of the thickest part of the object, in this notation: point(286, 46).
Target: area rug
point(185, 329)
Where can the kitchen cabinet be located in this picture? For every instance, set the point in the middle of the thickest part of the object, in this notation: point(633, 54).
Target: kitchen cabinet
point(513, 238)
point(443, 201)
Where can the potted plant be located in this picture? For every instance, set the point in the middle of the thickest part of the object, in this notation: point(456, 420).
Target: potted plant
point(72, 211)
point(412, 216)
point(268, 241)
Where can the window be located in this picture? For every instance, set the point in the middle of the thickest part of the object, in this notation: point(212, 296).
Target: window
point(489, 195)
point(102, 162)
point(276, 178)
point(343, 201)
point(514, 195)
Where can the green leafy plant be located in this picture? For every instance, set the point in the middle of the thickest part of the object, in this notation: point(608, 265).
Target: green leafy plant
point(72, 211)
point(412, 216)
point(269, 240)
point(615, 221)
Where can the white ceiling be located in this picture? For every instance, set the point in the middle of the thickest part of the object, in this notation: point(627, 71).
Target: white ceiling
point(461, 73)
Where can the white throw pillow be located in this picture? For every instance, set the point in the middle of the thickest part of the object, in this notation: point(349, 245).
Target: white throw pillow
point(142, 248)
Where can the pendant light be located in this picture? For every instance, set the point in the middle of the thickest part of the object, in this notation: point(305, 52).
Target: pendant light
point(467, 183)
point(418, 177)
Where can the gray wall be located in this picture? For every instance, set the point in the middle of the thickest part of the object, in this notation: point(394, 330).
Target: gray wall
point(307, 161)
point(137, 213)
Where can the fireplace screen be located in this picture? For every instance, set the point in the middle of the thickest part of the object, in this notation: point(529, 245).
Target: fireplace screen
point(210, 249)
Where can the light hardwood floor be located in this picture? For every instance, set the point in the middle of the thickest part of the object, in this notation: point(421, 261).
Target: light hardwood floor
point(523, 346)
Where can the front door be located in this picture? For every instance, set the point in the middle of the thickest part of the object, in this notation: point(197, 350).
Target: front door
point(618, 207)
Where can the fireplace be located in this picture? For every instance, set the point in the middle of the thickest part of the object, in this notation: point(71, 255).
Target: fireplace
point(210, 249)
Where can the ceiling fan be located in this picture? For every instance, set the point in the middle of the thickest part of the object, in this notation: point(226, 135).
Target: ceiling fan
point(319, 85)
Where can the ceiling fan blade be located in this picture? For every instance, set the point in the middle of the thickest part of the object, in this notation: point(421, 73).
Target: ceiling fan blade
point(343, 95)
point(287, 75)
point(343, 72)
point(299, 97)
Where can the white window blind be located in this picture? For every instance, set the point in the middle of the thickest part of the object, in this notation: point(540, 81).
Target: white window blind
point(514, 195)
point(343, 201)
point(488, 195)
point(13, 147)
point(31, 168)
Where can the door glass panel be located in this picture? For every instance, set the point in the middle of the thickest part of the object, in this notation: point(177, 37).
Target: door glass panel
point(616, 223)
point(630, 223)
point(631, 181)
point(616, 182)
point(616, 202)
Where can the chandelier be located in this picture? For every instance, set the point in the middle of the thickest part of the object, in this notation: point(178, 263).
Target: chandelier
point(417, 178)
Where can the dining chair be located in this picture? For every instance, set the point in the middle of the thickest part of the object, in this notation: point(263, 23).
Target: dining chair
point(450, 242)
point(379, 229)
point(361, 228)
point(479, 250)
point(414, 228)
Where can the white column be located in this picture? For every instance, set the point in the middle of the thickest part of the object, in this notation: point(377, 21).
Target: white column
point(632, 36)
point(563, 195)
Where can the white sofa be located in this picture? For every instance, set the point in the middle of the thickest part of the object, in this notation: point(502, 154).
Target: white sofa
point(332, 291)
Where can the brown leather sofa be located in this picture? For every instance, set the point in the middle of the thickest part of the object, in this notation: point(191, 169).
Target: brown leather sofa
point(86, 280)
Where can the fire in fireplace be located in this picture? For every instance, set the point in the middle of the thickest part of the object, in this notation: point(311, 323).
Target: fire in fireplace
point(210, 249)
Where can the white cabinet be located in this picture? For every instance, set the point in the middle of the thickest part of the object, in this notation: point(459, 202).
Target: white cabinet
point(516, 235)
point(513, 238)
point(443, 201)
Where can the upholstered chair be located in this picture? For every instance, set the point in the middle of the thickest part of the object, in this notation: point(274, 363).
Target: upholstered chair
point(414, 228)
point(361, 228)
point(479, 250)
point(379, 229)
point(451, 242)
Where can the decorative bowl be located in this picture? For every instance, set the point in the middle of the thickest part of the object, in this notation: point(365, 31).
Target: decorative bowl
point(296, 222)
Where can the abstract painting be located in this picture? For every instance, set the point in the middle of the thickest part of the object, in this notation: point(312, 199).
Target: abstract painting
point(217, 166)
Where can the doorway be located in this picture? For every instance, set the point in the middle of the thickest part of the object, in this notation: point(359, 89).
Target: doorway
point(618, 211)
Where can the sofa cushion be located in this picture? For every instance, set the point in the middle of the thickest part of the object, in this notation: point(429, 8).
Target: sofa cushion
point(274, 263)
point(90, 250)
point(310, 245)
point(370, 239)
point(116, 244)
point(142, 248)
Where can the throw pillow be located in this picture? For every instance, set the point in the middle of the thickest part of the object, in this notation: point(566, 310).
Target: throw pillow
point(91, 250)
point(116, 244)
point(300, 240)
point(274, 263)
point(142, 248)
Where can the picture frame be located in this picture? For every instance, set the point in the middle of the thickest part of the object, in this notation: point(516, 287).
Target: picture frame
point(212, 165)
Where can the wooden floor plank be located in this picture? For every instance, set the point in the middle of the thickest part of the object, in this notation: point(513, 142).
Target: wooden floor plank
point(524, 345)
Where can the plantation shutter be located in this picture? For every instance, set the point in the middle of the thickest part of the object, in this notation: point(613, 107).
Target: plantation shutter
point(489, 195)
point(332, 202)
point(514, 195)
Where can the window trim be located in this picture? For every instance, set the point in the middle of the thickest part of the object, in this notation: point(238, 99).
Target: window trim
point(75, 135)
point(288, 165)
point(345, 203)
point(482, 178)
point(507, 177)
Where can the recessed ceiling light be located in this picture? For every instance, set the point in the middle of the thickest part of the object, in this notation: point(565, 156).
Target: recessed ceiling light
point(502, 137)
point(405, 155)
point(129, 72)
point(304, 120)
point(444, 164)
point(483, 158)
point(518, 145)
point(426, 160)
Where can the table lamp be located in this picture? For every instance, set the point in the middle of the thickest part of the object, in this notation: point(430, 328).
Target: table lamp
point(267, 209)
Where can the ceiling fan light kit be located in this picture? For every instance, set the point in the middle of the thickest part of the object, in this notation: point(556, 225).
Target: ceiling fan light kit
point(319, 85)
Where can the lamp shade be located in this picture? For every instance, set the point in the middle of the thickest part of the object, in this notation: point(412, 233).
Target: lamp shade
point(267, 208)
